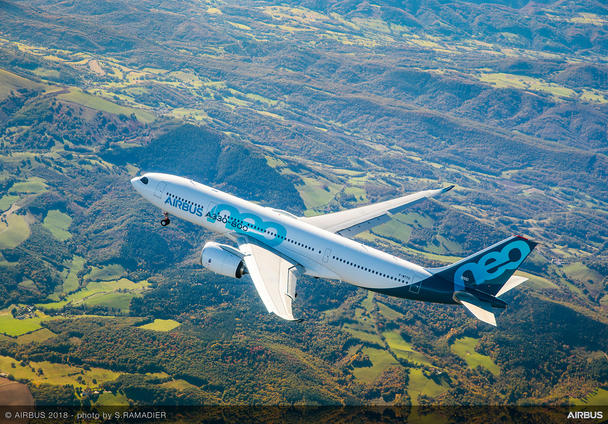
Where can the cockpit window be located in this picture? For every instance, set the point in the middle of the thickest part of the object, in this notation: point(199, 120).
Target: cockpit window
point(144, 180)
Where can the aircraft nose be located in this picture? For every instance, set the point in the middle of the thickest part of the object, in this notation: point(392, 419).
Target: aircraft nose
point(139, 182)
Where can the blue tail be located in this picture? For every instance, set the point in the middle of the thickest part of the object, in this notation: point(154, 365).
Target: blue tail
point(489, 269)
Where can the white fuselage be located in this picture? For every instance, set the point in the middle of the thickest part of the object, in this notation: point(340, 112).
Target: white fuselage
point(320, 253)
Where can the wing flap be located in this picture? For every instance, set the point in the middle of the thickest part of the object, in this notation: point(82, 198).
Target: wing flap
point(354, 221)
point(274, 277)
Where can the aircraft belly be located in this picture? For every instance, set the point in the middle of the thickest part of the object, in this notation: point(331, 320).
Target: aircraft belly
point(430, 289)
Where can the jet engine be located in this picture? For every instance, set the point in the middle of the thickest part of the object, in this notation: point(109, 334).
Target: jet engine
point(220, 259)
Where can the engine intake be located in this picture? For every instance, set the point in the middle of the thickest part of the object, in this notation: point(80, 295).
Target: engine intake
point(218, 258)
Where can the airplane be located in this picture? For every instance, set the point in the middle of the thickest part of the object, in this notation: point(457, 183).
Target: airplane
point(275, 247)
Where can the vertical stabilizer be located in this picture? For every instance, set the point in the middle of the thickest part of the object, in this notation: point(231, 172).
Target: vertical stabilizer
point(490, 269)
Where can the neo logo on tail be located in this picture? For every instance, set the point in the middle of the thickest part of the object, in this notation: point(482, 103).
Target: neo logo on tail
point(492, 265)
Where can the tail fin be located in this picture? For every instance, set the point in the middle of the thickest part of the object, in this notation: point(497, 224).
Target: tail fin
point(488, 270)
point(483, 276)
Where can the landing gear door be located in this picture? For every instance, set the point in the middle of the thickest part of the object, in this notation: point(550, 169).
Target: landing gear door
point(160, 188)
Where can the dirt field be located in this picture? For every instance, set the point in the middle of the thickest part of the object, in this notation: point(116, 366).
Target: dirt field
point(13, 393)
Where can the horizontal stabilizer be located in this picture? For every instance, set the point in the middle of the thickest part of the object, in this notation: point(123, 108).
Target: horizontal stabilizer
point(480, 313)
point(511, 283)
point(483, 311)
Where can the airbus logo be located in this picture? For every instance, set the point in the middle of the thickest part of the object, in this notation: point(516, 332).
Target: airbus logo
point(493, 264)
point(585, 415)
point(185, 206)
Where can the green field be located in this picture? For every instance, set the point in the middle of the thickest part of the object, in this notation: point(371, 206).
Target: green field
point(420, 385)
point(440, 245)
point(10, 82)
point(111, 399)
point(178, 384)
point(33, 185)
point(70, 282)
point(395, 230)
point(414, 219)
point(105, 293)
point(7, 201)
point(36, 336)
point(56, 374)
point(380, 359)
point(29, 285)
point(403, 349)
point(536, 281)
point(465, 348)
point(368, 302)
point(365, 327)
point(364, 336)
point(388, 312)
point(58, 223)
point(105, 273)
point(580, 272)
point(79, 97)
point(316, 193)
point(15, 233)
point(120, 301)
point(161, 325)
point(503, 80)
point(15, 327)
point(597, 398)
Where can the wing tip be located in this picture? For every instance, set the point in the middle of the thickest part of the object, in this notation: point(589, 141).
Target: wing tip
point(448, 188)
point(532, 243)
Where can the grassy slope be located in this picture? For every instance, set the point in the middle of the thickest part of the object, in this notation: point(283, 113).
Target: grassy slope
point(421, 385)
point(70, 283)
point(58, 223)
point(599, 397)
point(14, 232)
point(380, 359)
point(102, 293)
point(94, 102)
point(15, 327)
point(7, 201)
point(465, 348)
point(10, 82)
point(57, 374)
point(405, 350)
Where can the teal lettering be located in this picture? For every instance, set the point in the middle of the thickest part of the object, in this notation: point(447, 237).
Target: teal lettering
point(248, 220)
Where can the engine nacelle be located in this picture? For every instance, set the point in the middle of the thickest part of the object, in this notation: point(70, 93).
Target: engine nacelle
point(217, 258)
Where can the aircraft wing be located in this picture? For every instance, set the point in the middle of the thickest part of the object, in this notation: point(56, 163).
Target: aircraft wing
point(273, 275)
point(351, 222)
